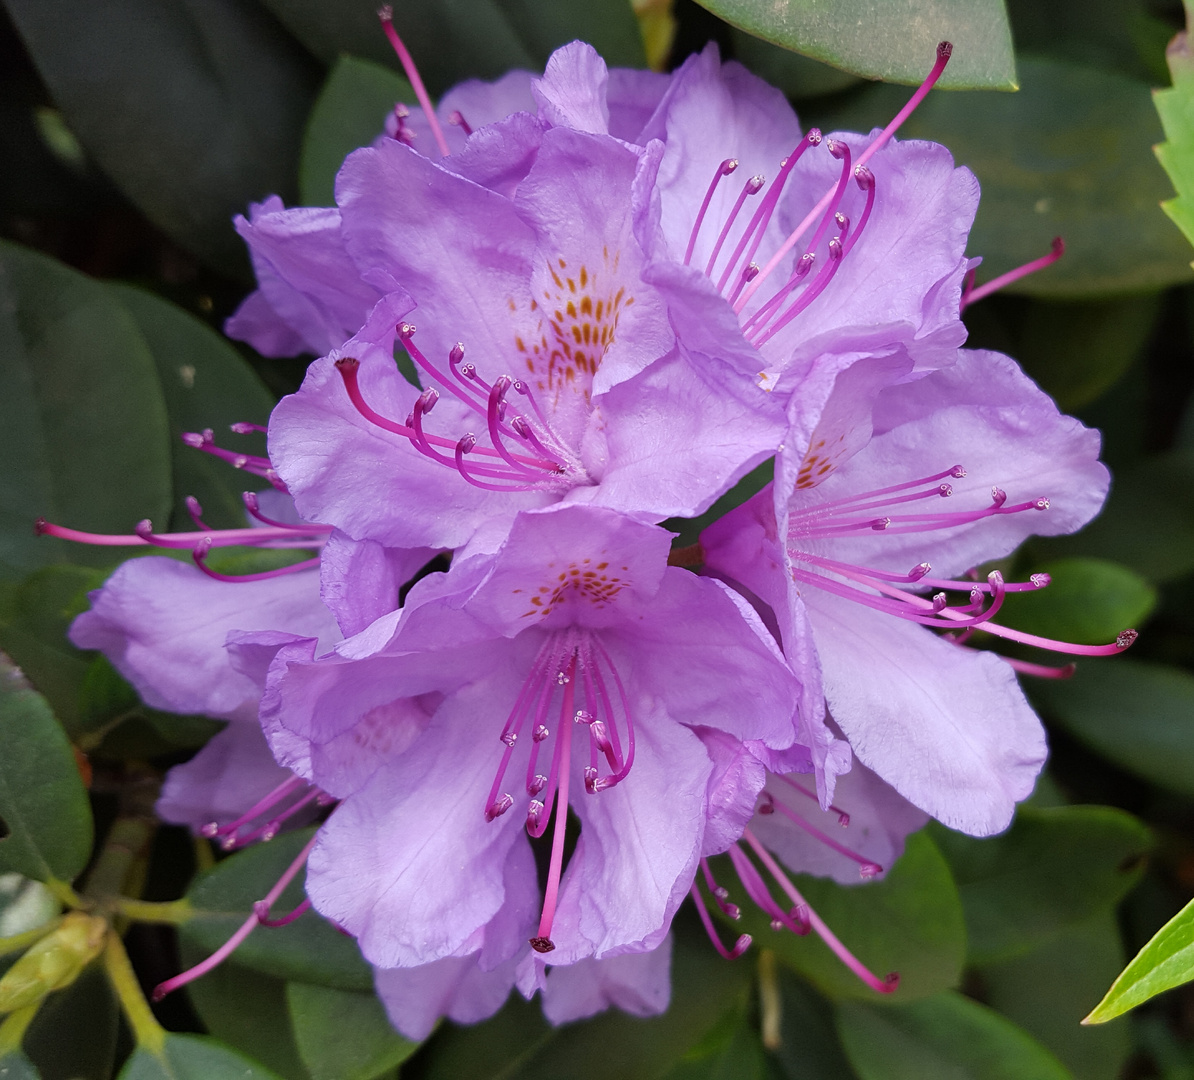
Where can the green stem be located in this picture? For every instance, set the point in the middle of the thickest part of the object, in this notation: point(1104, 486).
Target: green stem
point(12, 1031)
point(171, 912)
point(770, 1004)
point(126, 843)
point(146, 1030)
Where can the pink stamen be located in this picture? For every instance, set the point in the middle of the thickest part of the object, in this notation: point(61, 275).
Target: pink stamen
point(456, 119)
point(866, 867)
point(723, 170)
point(212, 829)
point(261, 910)
point(973, 296)
point(882, 986)
point(740, 946)
point(246, 928)
point(843, 819)
point(720, 894)
point(542, 942)
point(243, 427)
point(201, 550)
point(386, 15)
point(752, 187)
point(1041, 671)
point(756, 888)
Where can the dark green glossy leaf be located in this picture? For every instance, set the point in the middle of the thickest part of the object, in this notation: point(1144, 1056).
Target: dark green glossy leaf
point(809, 1046)
point(1147, 524)
point(42, 799)
point(16, 1066)
point(82, 421)
point(733, 1050)
point(1138, 714)
point(909, 922)
point(797, 76)
point(75, 1031)
point(1049, 990)
point(1076, 350)
point(310, 949)
point(344, 1035)
point(452, 40)
point(192, 109)
point(25, 905)
point(246, 1011)
point(896, 40)
point(34, 618)
point(1165, 962)
point(1070, 156)
point(206, 384)
point(350, 112)
point(1089, 601)
point(947, 1037)
point(193, 1057)
point(1054, 868)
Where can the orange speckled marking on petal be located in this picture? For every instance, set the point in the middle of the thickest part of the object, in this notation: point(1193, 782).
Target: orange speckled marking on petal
point(584, 580)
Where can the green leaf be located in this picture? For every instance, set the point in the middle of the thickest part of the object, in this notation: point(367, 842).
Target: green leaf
point(909, 922)
point(350, 112)
point(34, 618)
point(809, 1046)
point(246, 1011)
point(731, 1051)
point(1137, 714)
point(192, 1057)
point(797, 76)
point(1054, 868)
point(1175, 107)
point(42, 799)
point(1165, 962)
point(310, 949)
point(206, 384)
point(16, 1066)
point(82, 421)
point(452, 40)
point(896, 41)
point(344, 1035)
point(24, 905)
point(192, 109)
point(1049, 990)
point(1147, 524)
point(947, 1037)
point(1089, 602)
point(74, 1032)
point(1067, 156)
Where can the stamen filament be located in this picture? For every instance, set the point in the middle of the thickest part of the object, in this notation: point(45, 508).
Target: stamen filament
point(866, 867)
point(740, 946)
point(724, 169)
point(973, 296)
point(386, 15)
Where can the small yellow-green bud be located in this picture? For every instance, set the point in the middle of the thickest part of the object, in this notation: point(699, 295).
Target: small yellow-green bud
point(54, 962)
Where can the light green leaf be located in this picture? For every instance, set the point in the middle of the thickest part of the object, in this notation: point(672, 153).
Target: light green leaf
point(1165, 962)
point(192, 109)
point(343, 1035)
point(1175, 106)
point(909, 922)
point(205, 384)
point(1136, 713)
point(82, 421)
point(947, 1037)
point(896, 40)
point(1054, 868)
point(1049, 990)
point(42, 799)
point(192, 1057)
point(310, 949)
point(1069, 156)
point(74, 1032)
point(731, 1051)
point(1089, 601)
point(350, 112)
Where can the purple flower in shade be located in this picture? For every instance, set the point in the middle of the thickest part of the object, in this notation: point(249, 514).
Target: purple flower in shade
point(854, 533)
point(791, 828)
point(573, 670)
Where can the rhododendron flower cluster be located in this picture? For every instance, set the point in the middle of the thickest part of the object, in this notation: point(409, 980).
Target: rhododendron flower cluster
point(619, 293)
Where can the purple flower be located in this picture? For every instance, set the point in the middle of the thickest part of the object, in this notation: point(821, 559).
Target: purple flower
point(853, 532)
point(570, 670)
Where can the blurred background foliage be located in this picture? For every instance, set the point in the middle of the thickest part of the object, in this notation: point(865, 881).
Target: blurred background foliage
point(133, 130)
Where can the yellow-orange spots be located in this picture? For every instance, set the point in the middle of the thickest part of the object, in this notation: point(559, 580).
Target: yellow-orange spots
point(585, 308)
point(817, 464)
point(581, 582)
